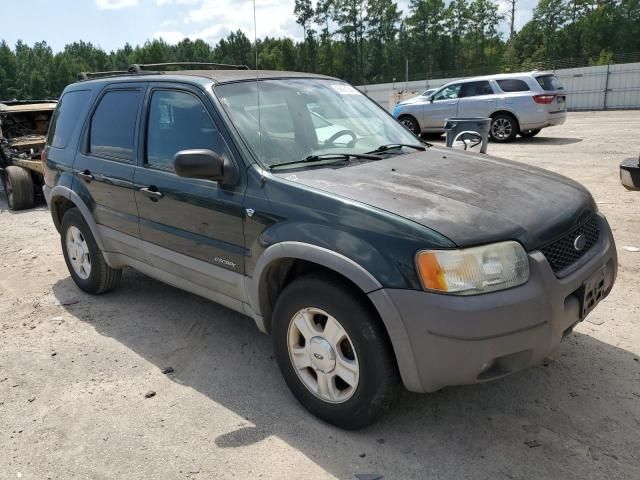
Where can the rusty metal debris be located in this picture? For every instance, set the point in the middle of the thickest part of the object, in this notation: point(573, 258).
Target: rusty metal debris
point(23, 131)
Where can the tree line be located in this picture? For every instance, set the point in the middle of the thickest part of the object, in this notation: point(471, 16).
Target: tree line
point(365, 42)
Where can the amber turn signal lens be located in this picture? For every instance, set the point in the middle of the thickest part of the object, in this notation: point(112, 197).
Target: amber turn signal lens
point(431, 273)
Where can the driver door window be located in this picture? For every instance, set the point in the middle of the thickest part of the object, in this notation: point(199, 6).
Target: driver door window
point(178, 121)
point(449, 93)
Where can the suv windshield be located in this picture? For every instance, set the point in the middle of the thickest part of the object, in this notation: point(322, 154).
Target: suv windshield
point(297, 118)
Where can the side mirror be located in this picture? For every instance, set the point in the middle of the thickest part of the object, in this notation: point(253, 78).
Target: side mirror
point(205, 164)
point(630, 173)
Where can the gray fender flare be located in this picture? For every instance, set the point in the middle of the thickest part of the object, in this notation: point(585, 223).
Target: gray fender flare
point(312, 253)
point(359, 276)
point(73, 197)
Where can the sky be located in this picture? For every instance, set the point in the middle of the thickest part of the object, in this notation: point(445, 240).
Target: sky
point(111, 23)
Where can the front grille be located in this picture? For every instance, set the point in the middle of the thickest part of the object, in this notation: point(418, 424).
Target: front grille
point(561, 253)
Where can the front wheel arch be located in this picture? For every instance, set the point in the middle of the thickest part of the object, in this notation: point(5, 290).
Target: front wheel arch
point(276, 270)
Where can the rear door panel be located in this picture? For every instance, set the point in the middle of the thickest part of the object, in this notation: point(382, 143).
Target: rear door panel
point(101, 178)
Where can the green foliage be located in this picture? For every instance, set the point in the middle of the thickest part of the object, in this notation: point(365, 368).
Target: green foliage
point(364, 41)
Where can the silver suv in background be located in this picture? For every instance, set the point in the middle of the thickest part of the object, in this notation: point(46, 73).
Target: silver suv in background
point(518, 103)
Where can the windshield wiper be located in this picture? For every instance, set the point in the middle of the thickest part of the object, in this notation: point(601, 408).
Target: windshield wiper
point(393, 146)
point(339, 157)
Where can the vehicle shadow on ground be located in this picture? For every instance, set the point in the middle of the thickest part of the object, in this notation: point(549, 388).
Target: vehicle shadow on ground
point(512, 428)
point(542, 140)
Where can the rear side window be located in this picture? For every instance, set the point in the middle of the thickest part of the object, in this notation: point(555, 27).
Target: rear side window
point(72, 108)
point(513, 85)
point(549, 82)
point(178, 121)
point(475, 89)
point(113, 125)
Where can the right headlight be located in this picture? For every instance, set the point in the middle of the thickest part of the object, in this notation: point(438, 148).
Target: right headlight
point(473, 270)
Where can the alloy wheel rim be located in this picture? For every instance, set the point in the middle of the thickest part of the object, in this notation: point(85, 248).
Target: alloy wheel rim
point(501, 128)
point(409, 124)
point(78, 253)
point(323, 355)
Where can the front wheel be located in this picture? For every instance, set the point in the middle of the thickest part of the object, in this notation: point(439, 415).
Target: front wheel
point(530, 133)
point(411, 123)
point(333, 352)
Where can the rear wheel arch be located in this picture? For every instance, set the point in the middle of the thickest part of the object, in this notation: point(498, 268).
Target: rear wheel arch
point(61, 200)
point(506, 112)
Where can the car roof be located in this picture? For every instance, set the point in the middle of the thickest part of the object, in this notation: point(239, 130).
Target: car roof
point(202, 76)
point(501, 76)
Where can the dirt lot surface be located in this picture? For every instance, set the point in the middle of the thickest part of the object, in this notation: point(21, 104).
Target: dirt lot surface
point(74, 370)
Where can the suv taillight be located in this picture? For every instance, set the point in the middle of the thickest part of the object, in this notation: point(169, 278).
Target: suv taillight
point(43, 156)
point(544, 99)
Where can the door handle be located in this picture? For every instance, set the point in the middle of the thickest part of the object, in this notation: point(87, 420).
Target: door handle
point(152, 193)
point(86, 175)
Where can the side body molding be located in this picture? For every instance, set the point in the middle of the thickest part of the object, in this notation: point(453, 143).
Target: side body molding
point(66, 192)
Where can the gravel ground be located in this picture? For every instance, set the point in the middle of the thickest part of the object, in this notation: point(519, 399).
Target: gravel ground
point(74, 370)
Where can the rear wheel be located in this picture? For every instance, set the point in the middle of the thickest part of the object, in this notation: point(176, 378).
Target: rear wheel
point(530, 133)
point(504, 128)
point(333, 352)
point(411, 123)
point(84, 258)
point(18, 186)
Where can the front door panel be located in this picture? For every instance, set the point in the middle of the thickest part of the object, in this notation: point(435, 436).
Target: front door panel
point(193, 217)
point(443, 106)
point(194, 221)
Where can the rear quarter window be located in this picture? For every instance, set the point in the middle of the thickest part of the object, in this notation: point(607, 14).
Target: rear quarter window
point(549, 82)
point(72, 109)
point(513, 85)
point(113, 125)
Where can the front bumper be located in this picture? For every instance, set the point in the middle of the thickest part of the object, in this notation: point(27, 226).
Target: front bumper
point(455, 340)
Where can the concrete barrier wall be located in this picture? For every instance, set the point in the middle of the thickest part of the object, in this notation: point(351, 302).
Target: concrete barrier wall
point(588, 88)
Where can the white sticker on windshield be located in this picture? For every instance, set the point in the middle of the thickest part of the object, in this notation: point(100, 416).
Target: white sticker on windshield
point(344, 89)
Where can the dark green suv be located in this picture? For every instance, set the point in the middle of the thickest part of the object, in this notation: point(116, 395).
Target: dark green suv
point(371, 257)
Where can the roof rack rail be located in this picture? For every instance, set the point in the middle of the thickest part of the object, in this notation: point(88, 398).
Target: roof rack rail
point(140, 67)
point(88, 75)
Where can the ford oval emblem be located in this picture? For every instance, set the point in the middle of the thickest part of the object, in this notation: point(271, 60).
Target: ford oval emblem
point(580, 242)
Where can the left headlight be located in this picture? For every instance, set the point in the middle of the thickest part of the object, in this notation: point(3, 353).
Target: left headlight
point(473, 270)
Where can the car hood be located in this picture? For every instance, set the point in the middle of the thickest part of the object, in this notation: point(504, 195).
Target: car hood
point(472, 199)
point(411, 100)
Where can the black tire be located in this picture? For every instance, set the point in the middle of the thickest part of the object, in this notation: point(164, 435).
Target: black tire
point(530, 133)
point(410, 123)
point(18, 186)
point(504, 128)
point(102, 278)
point(378, 375)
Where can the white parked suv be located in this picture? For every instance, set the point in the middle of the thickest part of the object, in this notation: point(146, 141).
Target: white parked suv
point(518, 103)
